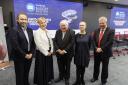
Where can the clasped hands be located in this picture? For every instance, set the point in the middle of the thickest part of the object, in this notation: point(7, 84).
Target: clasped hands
point(61, 52)
point(99, 50)
point(28, 56)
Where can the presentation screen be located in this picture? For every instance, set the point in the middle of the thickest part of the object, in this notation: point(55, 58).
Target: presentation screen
point(119, 19)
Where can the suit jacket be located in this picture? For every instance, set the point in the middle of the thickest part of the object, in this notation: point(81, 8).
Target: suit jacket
point(66, 43)
point(106, 41)
point(20, 43)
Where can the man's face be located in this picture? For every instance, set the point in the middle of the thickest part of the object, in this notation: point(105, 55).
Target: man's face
point(102, 24)
point(42, 23)
point(82, 26)
point(22, 20)
point(63, 27)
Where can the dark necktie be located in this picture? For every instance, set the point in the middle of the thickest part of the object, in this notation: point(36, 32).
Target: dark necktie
point(100, 37)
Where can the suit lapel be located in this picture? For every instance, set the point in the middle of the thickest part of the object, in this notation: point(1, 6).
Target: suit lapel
point(29, 34)
point(97, 36)
point(22, 34)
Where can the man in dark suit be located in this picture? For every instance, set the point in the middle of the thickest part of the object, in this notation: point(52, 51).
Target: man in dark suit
point(64, 40)
point(102, 41)
point(23, 49)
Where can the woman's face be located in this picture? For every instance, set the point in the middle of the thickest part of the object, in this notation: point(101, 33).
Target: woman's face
point(82, 26)
point(42, 23)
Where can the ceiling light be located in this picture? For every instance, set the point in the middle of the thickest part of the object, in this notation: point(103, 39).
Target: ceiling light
point(116, 0)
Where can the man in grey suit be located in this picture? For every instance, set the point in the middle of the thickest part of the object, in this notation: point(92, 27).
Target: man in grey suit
point(64, 41)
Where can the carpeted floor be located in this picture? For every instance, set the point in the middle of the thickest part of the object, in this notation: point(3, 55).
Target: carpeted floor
point(118, 73)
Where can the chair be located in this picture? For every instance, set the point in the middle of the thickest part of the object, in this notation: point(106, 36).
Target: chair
point(117, 43)
point(126, 41)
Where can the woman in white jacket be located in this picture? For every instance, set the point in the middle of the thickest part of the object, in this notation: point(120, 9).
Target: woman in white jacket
point(44, 50)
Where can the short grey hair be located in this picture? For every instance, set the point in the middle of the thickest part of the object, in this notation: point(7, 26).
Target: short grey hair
point(64, 22)
point(103, 18)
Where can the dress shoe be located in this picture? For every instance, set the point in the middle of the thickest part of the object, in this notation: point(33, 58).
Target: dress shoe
point(51, 82)
point(82, 82)
point(58, 80)
point(93, 80)
point(66, 82)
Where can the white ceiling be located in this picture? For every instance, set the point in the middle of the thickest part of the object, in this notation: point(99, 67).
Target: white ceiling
point(122, 2)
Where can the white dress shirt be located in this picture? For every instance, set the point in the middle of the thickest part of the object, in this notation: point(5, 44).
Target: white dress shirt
point(63, 35)
point(26, 35)
point(42, 42)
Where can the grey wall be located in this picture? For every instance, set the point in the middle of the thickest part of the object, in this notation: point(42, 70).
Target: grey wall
point(92, 12)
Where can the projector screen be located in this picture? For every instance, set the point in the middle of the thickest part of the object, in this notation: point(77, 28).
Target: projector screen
point(119, 19)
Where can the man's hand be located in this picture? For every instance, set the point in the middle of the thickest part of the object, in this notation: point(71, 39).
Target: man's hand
point(99, 50)
point(62, 52)
point(58, 51)
point(28, 56)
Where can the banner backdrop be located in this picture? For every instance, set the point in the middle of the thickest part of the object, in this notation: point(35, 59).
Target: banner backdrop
point(119, 19)
point(3, 46)
point(53, 10)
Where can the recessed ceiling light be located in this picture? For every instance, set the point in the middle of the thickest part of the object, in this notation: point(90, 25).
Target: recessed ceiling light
point(116, 0)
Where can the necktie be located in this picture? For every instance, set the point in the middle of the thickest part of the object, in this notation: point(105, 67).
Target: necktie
point(48, 42)
point(100, 37)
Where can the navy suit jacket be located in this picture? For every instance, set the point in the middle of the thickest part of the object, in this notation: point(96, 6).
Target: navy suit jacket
point(20, 44)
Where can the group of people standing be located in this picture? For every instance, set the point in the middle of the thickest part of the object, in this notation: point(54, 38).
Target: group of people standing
point(66, 45)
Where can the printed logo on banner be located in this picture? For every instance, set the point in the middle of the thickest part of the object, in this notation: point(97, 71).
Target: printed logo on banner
point(30, 7)
point(53, 10)
point(70, 15)
point(119, 16)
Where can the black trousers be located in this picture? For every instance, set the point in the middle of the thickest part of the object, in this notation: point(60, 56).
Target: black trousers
point(105, 61)
point(80, 70)
point(22, 69)
point(64, 63)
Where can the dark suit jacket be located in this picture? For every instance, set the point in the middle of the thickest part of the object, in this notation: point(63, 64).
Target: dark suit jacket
point(20, 44)
point(106, 42)
point(65, 44)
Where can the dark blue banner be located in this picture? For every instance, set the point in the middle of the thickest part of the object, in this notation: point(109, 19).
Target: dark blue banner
point(119, 18)
point(53, 10)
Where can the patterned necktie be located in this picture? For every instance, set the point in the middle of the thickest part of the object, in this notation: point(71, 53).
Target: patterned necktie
point(100, 37)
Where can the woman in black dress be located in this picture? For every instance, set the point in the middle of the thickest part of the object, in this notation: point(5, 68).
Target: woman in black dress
point(82, 55)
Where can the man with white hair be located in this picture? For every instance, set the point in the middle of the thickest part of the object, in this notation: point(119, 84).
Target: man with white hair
point(64, 40)
point(102, 41)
